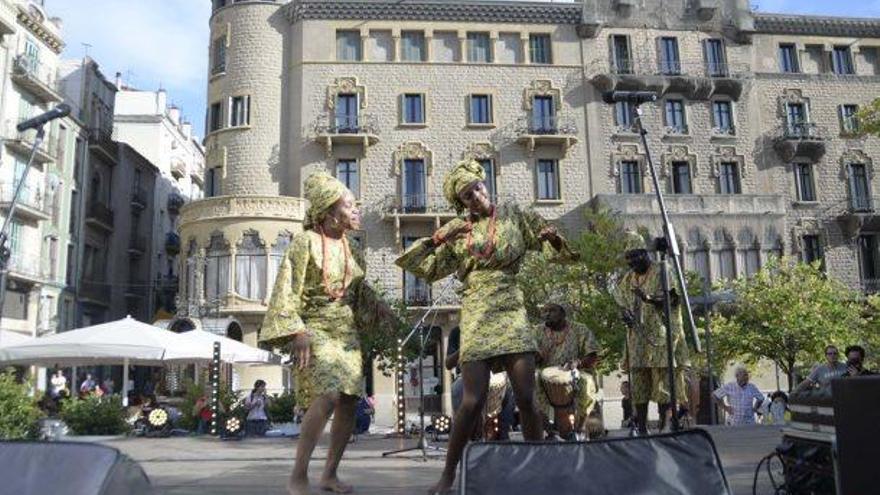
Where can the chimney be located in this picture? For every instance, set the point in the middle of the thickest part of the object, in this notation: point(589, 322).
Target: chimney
point(186, 129)
point(174, 114)
point(119, 81)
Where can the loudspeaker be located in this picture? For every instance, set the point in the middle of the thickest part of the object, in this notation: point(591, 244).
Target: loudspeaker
point(856, 406)
point(675, 463)
point(71, 468)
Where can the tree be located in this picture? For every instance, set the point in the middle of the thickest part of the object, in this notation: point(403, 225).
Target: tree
point(19, 414)
point(869, 118)
point(787, 313)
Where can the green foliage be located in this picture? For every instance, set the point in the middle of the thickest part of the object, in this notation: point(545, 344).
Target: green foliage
point(95, 415)
point(380, 344)
point(870, 334)
point(281, 407)
point(19, 414)
point(187, 420)
point(786, 313)
point(869, 118)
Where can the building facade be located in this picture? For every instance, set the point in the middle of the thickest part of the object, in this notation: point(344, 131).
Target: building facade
point(145, 121)
point(753, 135)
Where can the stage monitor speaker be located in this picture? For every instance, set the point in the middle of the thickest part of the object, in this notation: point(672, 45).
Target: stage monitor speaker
point(676, 463)
point(856, 406)
point(71, 468)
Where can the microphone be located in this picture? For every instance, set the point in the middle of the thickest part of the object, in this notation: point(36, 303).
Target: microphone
point(637, 97)
point(58, 112)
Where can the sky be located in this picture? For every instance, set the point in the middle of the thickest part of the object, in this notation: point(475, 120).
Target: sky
point(164, 43)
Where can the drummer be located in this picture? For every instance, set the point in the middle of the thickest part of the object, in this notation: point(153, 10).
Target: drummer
point(569, 345)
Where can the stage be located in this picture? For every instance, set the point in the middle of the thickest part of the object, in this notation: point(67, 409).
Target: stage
point(200, 465)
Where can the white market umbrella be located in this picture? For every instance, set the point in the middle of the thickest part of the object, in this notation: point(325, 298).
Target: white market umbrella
point(8, 337)
point(231, 351)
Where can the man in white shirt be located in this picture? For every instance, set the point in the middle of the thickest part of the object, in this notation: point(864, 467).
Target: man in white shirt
point(743, 399)
point(822, 374)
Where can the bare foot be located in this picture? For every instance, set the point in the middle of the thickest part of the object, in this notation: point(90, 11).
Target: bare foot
point(335, 486)
point(443, 487)
point(296, 486)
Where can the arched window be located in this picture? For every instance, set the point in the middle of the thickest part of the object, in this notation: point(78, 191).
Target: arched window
point(698, 254)
point(250, 267)
point(275, 257)
point(726, 255)
point(751, 252)
point(216, 268)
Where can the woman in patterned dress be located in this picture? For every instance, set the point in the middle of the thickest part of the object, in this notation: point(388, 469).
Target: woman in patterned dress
point(485, 246)
point(319, 303)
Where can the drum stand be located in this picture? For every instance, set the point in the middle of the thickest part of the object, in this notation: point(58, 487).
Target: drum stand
point(424, 332)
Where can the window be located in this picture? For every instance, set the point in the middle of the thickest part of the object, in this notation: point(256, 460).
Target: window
point(849, 122)
point(216, 269)
point(722, 113)
point(621, 61)
point(250, 267)
point(218, 55)
point(860, 193)
point(869, 261)
point(812, 249)
point(630, 178)
point(727, 263)
point(31, 54)
point(508, 49)
point(445, 47)
point(548, 180)
point(239, 111)
point(797, 119)
point(381, 46)
point(417, 291)
point(699, 262)
point(728, 178)
point(412, 46)
point(348, 46)
point(347, 173)
point(346, 113)
point(540, 49)
point(479, 48)
point(215, 117)
point(675, 118)
point(15, 304)
point(212, 182)
point(480, 109)
point(413, 186)
point(623, 116)
point(543, 115)
point(670, 64)
point(716, 61)
point(803, 178)
point(681, 178)
point(841, 60)
point(276, 256)
point(71, 263)
point(413, 108)
point(489, 166)
point(752, 260)
point(788, 58)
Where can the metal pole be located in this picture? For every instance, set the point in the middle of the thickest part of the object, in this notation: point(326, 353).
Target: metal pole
point(215, 389)
point(713, 419)
point(670, 358)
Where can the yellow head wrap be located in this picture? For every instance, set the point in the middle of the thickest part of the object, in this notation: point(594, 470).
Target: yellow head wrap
point(465, 173)
point(634, 241)
point(323, 191)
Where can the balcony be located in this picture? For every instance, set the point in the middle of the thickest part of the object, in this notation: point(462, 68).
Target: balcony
point(859, 216)
point(26, 268)
point(138, 197)
point(101, 141)
point(178, 168)
point(175, 203)
point(99, 215)
point(137, 246)
point(546, 130)
point(424, 207)
point(644, 206)
point(22, 143)
point(32, 203)
point(95, 292)
point(354, 130)
point(801, 140)
point(172, 244)
point(37, 78)
point(441, 295)
point(870, 286)
point(137, 289)
point(696, 81)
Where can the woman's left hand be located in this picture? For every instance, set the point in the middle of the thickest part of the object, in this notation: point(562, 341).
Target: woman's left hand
point(549, 233)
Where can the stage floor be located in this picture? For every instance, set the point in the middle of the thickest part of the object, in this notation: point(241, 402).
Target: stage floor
point(200, 465)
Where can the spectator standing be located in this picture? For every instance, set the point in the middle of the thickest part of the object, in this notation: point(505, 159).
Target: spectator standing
point(87, 385)
point(59, 385)
point(855, 357)
point(626, 404)
point(822, 374)
point(743, 399)
point(255, 403)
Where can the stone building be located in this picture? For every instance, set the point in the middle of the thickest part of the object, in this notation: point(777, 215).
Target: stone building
point(752, 135)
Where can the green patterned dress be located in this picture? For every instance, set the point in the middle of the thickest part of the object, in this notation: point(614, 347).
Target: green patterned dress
point(493, 316)
point(559, 348)
point(300, 304)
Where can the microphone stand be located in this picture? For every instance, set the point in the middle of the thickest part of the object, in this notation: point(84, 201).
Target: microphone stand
point(672, 252)
point(5, 253)
point(424, 332)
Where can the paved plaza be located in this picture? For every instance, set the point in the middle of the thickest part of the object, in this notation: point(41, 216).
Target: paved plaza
point(202, 465)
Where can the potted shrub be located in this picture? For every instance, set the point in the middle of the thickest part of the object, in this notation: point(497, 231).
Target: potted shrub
point(95, 416)
point(19, 414)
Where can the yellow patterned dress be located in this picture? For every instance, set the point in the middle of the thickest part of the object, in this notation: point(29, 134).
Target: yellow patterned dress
point(493, 315)
point(300, 303)
point(556, 348)
point(646, 338)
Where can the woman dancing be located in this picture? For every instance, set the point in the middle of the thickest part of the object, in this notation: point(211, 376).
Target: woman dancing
point(485, 246)
point(319, 302)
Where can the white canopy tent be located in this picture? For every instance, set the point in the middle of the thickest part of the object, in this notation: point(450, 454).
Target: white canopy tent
point(126, 342)
point(8, 337)
point(231, 351)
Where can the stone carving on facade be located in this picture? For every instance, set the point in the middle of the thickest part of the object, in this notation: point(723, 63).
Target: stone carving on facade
point(346, 85)
point(792, 96)
point(853, 156)
point(413, 150)
point(541, 87)
point(284, 207)
point(677, 153)
point(806, 226)
point(215, 154)
point(479, 151)
point(627, 153)
point(725, 154)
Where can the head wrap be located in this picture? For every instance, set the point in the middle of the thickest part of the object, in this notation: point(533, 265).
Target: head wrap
point(464, 174)
point(323, 191)
point(633, 240)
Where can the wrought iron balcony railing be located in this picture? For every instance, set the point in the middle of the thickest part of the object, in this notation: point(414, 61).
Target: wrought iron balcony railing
point(546, 125)
point(360, 123)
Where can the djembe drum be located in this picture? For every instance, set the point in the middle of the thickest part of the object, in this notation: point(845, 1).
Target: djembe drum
point(494, 402)
point(560, 386)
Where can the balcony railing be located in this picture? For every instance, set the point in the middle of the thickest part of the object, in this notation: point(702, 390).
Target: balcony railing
point(804, 130)
point(96, 291)
point(137, 244)
point(352, 129)
point(801, 139)
point(861, 204)
point(37, 77)
point(31, 198)
point(139, 197)
point(101, 139)
point(175, 203)
point(541, 124)
point(23, 142)
point(417, 295)
point(172, 243)
point(669, 76)
point(100, 214)
point(28, 267)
